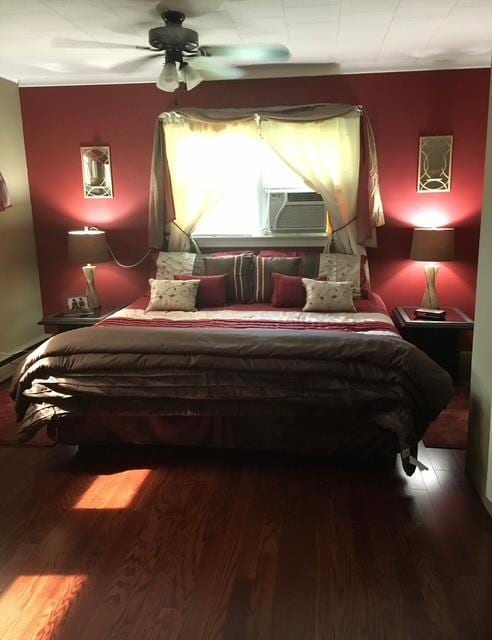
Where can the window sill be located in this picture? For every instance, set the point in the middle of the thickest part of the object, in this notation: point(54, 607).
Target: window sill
point(251, 242)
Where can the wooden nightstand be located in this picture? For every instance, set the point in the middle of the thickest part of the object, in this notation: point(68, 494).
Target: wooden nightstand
point(64, 321)
point(439, 339)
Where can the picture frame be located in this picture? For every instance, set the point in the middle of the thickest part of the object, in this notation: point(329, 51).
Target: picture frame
point(78, 305)
point(435, 163)
point(96, 172)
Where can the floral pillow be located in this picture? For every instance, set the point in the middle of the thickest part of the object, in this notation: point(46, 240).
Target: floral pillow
point(172, 295)
point(340, 267)
point(328, 296)
point(168, 263)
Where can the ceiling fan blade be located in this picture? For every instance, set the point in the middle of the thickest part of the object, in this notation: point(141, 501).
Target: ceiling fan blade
point(253, 52)
point(214, 69)
point(66, 43)
point(129, 66)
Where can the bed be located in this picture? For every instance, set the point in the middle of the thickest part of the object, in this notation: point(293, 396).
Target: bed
point(240, 376)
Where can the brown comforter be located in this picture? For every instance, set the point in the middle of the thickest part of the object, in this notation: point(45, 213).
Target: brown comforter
point(232, 372)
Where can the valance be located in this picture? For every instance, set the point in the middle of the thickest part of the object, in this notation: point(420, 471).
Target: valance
point(353, 199)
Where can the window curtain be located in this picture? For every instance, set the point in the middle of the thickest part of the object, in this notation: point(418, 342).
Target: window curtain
point(201, 158)
point(330, 146)
point(326, 154)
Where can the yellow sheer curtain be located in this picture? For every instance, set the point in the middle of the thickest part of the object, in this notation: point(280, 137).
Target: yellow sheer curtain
point(326, 154)
point(205, 159)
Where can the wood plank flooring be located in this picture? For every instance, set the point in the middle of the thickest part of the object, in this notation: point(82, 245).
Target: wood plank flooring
point(162, 544)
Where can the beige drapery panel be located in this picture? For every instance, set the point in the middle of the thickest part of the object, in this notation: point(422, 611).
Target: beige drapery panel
point(202, 159)
point(352, 217)
point(326, 154)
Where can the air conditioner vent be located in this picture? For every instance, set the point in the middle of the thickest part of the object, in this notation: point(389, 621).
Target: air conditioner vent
point(304, 196)
point(296, 212)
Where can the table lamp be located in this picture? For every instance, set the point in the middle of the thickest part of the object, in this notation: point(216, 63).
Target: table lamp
point(432, 246)
point(87, 247)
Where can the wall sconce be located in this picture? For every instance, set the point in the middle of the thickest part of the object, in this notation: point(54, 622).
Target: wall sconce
point(435, 155)
point(96, 172)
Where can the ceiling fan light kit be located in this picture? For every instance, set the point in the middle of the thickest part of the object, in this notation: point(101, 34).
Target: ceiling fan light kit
point(168, 79)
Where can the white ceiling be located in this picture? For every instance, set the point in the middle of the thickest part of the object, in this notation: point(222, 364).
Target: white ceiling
point(358, 35)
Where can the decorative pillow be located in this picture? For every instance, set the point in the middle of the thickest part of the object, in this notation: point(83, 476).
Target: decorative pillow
point(328, 296)
point(264, 270)
point(169, 263)
point(289, 291)
point(212, 289)
point(340, 267)
point(172, 295)
point(239, 272)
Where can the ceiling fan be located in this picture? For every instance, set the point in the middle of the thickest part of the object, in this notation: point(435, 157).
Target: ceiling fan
point(185, 60)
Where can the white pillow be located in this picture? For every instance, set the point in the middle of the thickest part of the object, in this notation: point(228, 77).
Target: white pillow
point(169, 263)
point(172, 295)
point(328, 296)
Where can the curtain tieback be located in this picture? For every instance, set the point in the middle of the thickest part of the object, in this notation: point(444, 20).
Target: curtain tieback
point(333, 231)
point(329, 246)
point(189, 236)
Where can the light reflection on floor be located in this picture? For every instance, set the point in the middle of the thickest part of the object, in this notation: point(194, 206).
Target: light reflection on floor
point(105, 493)
point(34, 606)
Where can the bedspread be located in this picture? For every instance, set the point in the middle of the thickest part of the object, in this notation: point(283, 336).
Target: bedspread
point(178, 371)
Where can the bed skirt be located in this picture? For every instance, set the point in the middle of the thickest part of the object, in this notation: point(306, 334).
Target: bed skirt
point(294, 434)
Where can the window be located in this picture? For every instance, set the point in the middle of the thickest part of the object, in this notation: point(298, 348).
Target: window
point(263, 195)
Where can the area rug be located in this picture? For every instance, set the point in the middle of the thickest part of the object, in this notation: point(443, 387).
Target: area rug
point(9, 426)
point(450, 430)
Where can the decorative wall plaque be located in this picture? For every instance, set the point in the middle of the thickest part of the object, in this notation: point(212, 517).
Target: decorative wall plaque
point(435, 155)
point(96, 172)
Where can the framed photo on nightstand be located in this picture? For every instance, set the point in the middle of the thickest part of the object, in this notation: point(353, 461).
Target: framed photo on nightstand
point(78, 305)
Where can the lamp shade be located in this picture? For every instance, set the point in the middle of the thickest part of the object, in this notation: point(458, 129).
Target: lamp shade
point(87, 246)
point(432, 245)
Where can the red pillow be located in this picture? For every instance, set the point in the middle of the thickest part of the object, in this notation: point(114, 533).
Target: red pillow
point(211, 291)
point(288, 291)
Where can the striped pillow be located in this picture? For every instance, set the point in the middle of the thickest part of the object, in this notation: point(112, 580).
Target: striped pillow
point(238, 269)
point(264, 270)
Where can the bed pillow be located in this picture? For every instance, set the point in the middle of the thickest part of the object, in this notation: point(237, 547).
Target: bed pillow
point(212, 289)
point(289, 291)
point(172, 295)
point(168, 263)
point(340, 267)
point(239, 274)
point(328, 296)
point(264, 270)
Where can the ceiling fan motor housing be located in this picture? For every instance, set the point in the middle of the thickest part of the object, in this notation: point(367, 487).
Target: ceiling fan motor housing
point(173, 37)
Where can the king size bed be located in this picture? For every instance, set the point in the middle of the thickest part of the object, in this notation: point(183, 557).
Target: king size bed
point(245, 376)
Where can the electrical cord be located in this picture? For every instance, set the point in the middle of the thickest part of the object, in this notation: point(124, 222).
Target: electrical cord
point(128, 266)
point(120, 264)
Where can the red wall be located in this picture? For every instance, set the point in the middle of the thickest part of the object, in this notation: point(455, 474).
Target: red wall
point(402, 106)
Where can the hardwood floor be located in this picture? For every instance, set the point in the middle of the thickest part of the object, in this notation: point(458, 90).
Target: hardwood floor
point(190, 545)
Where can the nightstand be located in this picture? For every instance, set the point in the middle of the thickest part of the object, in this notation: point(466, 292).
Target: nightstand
point(64, 321)
point(439, 339)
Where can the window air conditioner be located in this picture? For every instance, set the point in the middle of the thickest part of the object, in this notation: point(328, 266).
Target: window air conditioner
point(296, 212)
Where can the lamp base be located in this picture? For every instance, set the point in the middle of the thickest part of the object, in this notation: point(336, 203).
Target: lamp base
point(91, 293)
point(430, 299)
